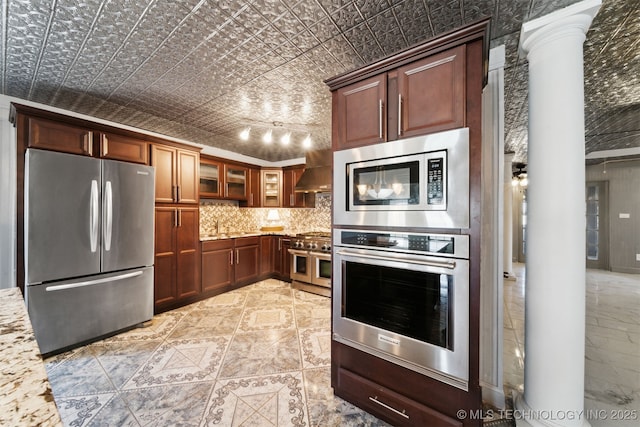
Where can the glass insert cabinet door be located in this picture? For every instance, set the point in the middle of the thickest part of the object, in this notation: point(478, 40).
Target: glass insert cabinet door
point(271, 188)
point(236, 182)
point(209, 179)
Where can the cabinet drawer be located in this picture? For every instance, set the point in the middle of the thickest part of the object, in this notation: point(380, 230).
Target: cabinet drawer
point(247, 241)
point(393, 407)
point(214, 245)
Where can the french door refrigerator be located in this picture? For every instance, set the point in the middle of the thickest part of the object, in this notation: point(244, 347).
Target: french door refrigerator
point(88, 252)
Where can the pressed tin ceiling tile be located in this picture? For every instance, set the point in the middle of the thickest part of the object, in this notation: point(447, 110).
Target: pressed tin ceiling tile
point(201, 70)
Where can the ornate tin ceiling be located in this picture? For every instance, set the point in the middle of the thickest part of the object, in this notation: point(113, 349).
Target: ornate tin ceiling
point(203, 70)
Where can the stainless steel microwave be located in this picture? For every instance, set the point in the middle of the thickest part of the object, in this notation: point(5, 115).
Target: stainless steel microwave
point(414, 182)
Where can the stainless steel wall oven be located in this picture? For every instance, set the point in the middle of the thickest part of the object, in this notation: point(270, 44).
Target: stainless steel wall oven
point(404, 297)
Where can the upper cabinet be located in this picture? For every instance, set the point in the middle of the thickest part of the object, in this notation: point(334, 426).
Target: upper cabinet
point(415, 98)
point(177, 176)
point(271, 188)
point(431, 95)
point(253, 198)
point(360, 113)
point(235, 184)
point(52, 131)
point(210, 178)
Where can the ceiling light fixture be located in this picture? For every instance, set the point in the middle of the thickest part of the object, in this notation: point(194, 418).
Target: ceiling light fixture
point(286, 138)
point(267, 137)
point(244, 135)
point(306, 143)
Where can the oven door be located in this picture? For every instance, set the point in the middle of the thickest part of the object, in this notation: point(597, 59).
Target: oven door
point(321, 272)
point(300, 266)
point(411, 310)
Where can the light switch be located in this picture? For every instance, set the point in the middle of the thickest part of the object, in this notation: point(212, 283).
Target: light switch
point(624, 215)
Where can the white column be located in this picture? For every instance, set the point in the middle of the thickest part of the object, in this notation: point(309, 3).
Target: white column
point(507, 236)
point(555, 261)
point(8, 197)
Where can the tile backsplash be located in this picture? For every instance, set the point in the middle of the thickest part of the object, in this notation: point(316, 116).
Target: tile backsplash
point(232, 218)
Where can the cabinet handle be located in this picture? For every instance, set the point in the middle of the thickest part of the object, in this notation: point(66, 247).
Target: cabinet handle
point(87, 145)
point(175, 218)
point(179, 217)
point(399, 114)
point(384, 405)
point(104, 146)
point(251, 199)
point(279, 244)
point(380, 118)
point(291, 200)
point(237, 257)
point(231, 257)
point(177, 193)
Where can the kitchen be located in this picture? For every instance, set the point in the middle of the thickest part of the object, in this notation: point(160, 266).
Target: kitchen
point(174, 212)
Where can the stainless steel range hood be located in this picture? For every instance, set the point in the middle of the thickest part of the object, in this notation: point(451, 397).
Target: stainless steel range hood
point(317, 174)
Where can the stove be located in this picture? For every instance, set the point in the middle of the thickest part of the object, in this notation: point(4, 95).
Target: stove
point(311, 262)
point(319, 241)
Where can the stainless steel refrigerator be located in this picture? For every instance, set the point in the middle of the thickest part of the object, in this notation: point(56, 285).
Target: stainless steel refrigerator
point(88, 253)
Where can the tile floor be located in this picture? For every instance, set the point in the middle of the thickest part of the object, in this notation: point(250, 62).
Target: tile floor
point(257, 356)
point(260, 356)
point(612, 347)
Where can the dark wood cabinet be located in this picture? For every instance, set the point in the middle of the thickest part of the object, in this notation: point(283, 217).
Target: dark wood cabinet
point(360, 113)
point(210, 178)
point(177, 264)
point(246, 260)
point(120, 147)
point(59, 136)
point(291, 199)
point(217, 266)
point(282, 258)
point(254, 195)
point(177, 176)
point(235, 182)
point(431, 93)
point(267, 252)
point(431, 87)
point(421, 97)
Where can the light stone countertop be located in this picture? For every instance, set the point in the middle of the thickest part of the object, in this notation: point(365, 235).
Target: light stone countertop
point(25, 394)
point(235, 235)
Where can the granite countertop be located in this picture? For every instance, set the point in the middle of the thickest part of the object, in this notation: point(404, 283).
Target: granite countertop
point(25, 394)
point(235, 235)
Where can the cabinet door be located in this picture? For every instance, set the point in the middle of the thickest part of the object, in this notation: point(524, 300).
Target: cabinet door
point(187, 245)
point(246, 261)
point(164, 160)
point(125, 148)
point(271, 188)
point(235, 182)
point(210, 178)
point(360, 112)
point(253, 198)
point(266, 255)
point(217, 270)
point(286, 259)
point(432, 94)
point(51, 135)
point(188, 176)
point(164, 290)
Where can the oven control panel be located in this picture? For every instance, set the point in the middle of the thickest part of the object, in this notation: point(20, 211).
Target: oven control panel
point(424, 243)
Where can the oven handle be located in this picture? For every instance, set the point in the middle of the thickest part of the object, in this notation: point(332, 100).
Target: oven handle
point(301, 253)
point(321, 255)
point(445, 264)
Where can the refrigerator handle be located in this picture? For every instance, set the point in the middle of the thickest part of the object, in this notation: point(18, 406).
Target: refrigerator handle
point(108, 220)
point(93, 282)
point(93, 216)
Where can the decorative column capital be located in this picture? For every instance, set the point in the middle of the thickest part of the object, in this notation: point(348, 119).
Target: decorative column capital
point(571, 21)
point(497, 57)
